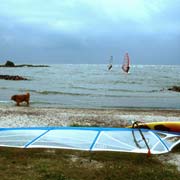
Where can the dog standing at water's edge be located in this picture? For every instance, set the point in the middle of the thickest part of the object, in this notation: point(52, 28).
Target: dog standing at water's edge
point(18, 98)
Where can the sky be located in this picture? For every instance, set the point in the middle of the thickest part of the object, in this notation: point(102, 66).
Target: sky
point(89, 32)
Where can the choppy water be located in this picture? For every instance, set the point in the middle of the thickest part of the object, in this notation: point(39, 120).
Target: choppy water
point(93, 86)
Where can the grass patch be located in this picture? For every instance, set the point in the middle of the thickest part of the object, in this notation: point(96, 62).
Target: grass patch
point(176, 148)
point(53, 164)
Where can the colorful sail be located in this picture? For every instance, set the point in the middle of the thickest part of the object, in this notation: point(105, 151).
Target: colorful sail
point(126, 63)
point(91, 139)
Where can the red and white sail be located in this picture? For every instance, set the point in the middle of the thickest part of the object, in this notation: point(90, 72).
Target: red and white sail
point(126, 63)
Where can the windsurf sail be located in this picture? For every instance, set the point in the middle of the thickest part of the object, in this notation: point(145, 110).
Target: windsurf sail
point(126, 63)
point(90, 139)
point(110, 63)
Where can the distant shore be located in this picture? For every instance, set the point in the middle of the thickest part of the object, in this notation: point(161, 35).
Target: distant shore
point(25, 65)
point(13, 116)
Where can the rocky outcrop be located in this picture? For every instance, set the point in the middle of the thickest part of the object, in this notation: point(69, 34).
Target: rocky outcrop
point(9, 64)
point(174, 88)
point(9, 77)
point(12, 65)
point(30, 65)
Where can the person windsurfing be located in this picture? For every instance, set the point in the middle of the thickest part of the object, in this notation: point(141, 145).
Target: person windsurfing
point(110, 63)
point(126, 63)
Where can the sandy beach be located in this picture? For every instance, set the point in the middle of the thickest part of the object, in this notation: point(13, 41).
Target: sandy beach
point(13, 116)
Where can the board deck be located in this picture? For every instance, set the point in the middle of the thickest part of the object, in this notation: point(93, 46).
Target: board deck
point(162, 126)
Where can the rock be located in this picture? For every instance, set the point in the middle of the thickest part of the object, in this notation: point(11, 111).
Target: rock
point(174, 88)
point(9, 64)
point(31, 65)
point(8, 77)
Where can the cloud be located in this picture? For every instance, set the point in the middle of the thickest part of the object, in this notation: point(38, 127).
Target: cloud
point(88, 29)
point(79, 15)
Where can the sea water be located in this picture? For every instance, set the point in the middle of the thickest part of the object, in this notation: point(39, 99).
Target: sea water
point(93, 86)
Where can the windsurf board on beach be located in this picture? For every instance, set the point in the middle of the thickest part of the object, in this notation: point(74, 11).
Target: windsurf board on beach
point(172, 126)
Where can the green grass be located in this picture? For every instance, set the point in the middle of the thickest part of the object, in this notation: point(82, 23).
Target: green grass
point(51, 164)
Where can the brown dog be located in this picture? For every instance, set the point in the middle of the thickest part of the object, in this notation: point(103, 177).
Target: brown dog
point(20, 98)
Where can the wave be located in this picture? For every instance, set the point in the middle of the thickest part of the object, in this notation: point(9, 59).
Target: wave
point(95, 92)
point(90, 94)
point(84, 88)
point(58, 92)
point(127, 82)
point(4, 101)
point(3, 88)
point(134, 91)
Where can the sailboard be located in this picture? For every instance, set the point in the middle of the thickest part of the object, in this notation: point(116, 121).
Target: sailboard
point(173, 126)
point(126, 63)
point(91, 139)
point(110, 63)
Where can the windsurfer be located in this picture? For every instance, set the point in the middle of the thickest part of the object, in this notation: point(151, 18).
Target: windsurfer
point(110, 63)
point(109, 67)
point(125, 66)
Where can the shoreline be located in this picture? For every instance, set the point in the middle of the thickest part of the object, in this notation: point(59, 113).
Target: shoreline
point(23, 116)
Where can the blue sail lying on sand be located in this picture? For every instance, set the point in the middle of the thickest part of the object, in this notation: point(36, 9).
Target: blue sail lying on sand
point(90, 139)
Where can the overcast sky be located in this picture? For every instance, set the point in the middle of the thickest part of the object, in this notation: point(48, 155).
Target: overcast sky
point(90, 31)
